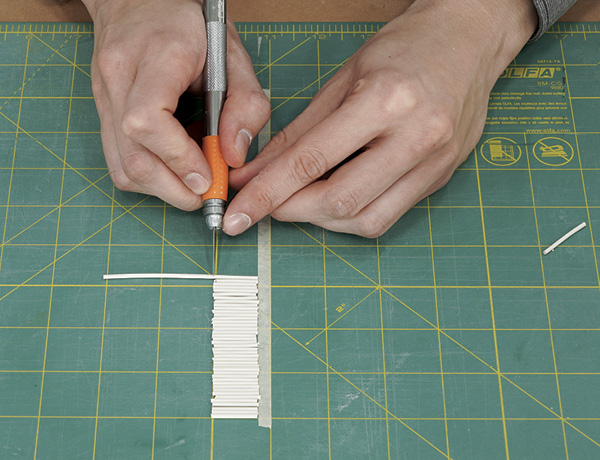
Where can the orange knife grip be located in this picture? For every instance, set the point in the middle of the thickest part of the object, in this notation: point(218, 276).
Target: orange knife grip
point(220, 170)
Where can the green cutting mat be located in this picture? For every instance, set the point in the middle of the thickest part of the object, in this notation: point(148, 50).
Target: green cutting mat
point(449, 337)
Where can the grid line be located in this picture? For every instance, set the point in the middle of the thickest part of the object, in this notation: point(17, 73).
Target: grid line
point(56, 51)
point(385, 386)
point(579, 161)
point(160, 297)
point(13, 158)
point(560, 406)
point(502, 376)
point(314, 38)
point(326, 321)
point(25, 82)
point(101, 191)
point(437, 325)
point(331, 369)
point(37, 432)
point(490, 293)
point(103, 328)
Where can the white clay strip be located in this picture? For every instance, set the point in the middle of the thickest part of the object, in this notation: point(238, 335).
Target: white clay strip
point(228, 316)
point(219, 283)
point(217, 414)
point(178, 276)
point(238, 413)
point(240, 290)
point(244, 318)
point(248, 337)
point(223, 295)
point(237, 403)
point(237, 396)
point(564, 238)
point(234, 412)
point(241, 333)
point(235, 389)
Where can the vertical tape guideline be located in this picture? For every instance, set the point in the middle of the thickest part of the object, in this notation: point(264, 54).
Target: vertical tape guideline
point(264, 295)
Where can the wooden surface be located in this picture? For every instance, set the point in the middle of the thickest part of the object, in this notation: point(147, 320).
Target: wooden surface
point(262, 10)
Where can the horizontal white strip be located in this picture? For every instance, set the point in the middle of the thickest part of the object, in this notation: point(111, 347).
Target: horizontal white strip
point(179, 276)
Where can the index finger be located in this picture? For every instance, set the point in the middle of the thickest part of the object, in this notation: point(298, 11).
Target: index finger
point(148, 120)
point(343, 132)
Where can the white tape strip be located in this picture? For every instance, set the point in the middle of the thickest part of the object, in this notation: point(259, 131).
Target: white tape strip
point(264, 294)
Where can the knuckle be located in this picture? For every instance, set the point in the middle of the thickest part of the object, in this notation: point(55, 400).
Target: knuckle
point(121, 181)
point(265, 196)
point(343, 203)
point(260, 104)
point(373, 225)
point(308, 166)
point(280, 140)
point(136, 123)
point(138, 168)
point(439, 183)
point(436, 135)
point(266, 199)
point(252, 105)
point(179, 51)
point(393, 91)
point(450, 155)
point(413, 152)
point(177, 157)
point(280, 215)
point(259, 101)
point(441, 128)
point(110, 59)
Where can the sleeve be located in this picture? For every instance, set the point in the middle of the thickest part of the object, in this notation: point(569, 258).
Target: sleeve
point(548, 13)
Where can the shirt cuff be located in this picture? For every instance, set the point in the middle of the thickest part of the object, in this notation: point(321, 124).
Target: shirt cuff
point(548, 13)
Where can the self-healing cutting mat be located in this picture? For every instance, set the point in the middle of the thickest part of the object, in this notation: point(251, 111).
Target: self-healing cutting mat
point(449, 337)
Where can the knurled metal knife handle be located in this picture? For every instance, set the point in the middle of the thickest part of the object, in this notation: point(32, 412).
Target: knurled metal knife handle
point(215, 87)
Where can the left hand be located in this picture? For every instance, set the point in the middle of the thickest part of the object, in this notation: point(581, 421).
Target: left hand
point(415, 96)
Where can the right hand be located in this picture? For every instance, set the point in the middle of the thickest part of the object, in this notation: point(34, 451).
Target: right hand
point(146, 54)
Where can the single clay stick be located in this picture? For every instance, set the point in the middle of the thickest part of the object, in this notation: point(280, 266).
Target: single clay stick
point(564, 238)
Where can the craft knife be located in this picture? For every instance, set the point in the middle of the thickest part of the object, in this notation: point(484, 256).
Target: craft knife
point(215, 87)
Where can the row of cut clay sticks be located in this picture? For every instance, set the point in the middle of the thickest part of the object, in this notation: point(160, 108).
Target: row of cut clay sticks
point(235, 348)
point(234, 340)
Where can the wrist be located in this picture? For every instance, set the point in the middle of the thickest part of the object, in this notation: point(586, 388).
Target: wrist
point(494, 32)
point(106, 11)
point(508, 25)
point(103, 9)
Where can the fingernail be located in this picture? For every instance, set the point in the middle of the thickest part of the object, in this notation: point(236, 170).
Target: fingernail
point(236, 224)
point(196, 183)
point(242, 142)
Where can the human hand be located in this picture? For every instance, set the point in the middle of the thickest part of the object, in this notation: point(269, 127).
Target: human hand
point(415, 96)
point(146, 54)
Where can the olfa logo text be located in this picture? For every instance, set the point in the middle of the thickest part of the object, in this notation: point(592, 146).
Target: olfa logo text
point(528, 72)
